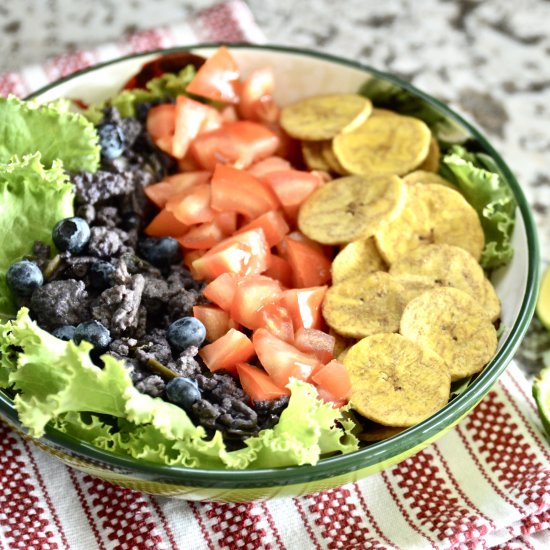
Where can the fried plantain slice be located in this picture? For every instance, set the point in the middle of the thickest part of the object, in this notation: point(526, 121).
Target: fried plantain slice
point(341, 343)
point(421, 176)
point(431, 162)
point(452, 324)
point(351, 208)
point(443, 265)
point(357, 258)
point(331, 160)
point(432, 214)
point(312, 151)
point(322, 117)
point(491, 301)
point(362, 306)
point(396, 382)
point(383, 145)
point(378, 111)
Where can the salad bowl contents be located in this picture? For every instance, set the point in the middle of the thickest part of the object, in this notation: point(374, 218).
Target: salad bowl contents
point(224, 285)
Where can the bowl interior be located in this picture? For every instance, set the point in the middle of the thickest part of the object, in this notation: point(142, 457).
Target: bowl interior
point(311, 73)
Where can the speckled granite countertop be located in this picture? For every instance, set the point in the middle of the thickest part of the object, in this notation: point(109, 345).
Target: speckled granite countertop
point(489, 59)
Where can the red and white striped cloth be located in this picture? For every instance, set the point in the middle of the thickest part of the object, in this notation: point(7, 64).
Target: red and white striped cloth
point(485, 484)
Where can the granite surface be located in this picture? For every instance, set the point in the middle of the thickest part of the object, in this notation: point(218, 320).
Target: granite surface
point(489, 59)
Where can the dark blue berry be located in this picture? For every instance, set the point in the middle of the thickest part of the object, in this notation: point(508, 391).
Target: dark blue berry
point(24, 277)
point(94, 332)
point(185, 332)
point(71, 235)
point(65, 332)
point(183, 392)
point(100, 274)
point(111, 140)
point(160, 252)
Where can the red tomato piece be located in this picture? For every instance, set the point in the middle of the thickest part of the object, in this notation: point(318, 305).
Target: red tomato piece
point(216, 78)
point(256, 97)
point(192, 205)
point(165, 224)
point(252, 293)
point(244, 254)
point(270, 164)
point(239, 143)
point(309, 266)
point(215, 321)
point(235, 190)
point(279, 269)
point(227, 222)
point(273, 225)
point(160, 192)
point(189, 258)
point(274, 317)
point(258, 385)
point(315, 342)
point(226, 352)
point(202, 236)
point(161, 121)
point(222, 290)
point(282, 360)
point(304, 306)
point(334, 378)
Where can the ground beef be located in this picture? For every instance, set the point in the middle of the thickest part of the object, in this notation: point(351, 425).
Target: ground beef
point(86, 212)
point(41, 254)
point(107, 216)
point(186, 364)
point(100, 186)
point(57, 303)
point(154, 346)
point(152, 385)
point(104, 242)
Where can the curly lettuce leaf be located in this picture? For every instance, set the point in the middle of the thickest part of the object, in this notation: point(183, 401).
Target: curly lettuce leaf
point(26, 187)
point(51, 130)
point(477, 178)
point(157, 89)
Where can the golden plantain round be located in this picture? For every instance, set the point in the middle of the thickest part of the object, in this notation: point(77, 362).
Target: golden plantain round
point(396, 382)
point(357, 258)
point(312, 151)
point(452, 324)
point(351, 208)
point(383, 145)
point(431, 162)
point(491, 301)
point(331, 160)
point(322, 117)
point(432, 214)
point(422, 176)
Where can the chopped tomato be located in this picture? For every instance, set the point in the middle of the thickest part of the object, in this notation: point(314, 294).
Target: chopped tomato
point(244, 254)
point(270, 164)
point(282, 247)
point(258, 385)
point(192, 205)
point(165, 224)
point(274, 317)
point(222, 290)
point(273, 225)
point(327, 397)
point(161, 121)
point(191, 118)
point(334, 378)
point(252, 293)
point(282, 360)
point(292, 188)
point(309, 266)
point(229, 113)
point(189, 258)
point(235, 190)
point(304, 306)
point(202, 236)
point(315, 342)
point(226, 352)
point(239, 143)
point(256, 97)
point(188, 164)
point(227, 222)
point(279, 269)
point(216, 78)
point(215, 321)
point(160, 192)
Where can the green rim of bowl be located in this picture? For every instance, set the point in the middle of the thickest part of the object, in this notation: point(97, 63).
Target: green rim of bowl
point(377, 452)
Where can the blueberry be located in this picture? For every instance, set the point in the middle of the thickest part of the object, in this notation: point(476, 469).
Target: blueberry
point(111, 140)
point(71, 235)
point(100, 274)
point(183, 392)
point(94, 332)
point(160, 252)
point(185, 332)
point(24, 277)
point(65, 332)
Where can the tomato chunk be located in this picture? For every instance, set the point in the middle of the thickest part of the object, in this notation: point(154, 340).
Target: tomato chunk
point(235, 190)
point(202, 236)
point(256, 97)
point(258, 385)
point(244, 254)
point(226, 352)
point(282, 360)
point(161, 121)
point(279, 269)
point(309, 266)
point(315, 342)
point(304, 306)
point(274, 317)
point(215, 321)
point(222, 290)
point(160, 192)
point(165, 224)
point(273, 225)
point(270, 164)
point(192, 205)
point(334, 378)
point(227, 222)
point(216, 78)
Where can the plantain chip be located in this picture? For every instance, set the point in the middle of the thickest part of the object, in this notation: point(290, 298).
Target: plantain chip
point(357, 258)
point(331, 160)
point(322, 117)
point(341, 343)
point(396, 382)
point(365, 305)
point(421, 176)
point(431, 162)
point(312, 151)
point(452, 324)
point(351, 208)
point(378, 111)
point(491, 302)
point(432, 214)
point(383, 145)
